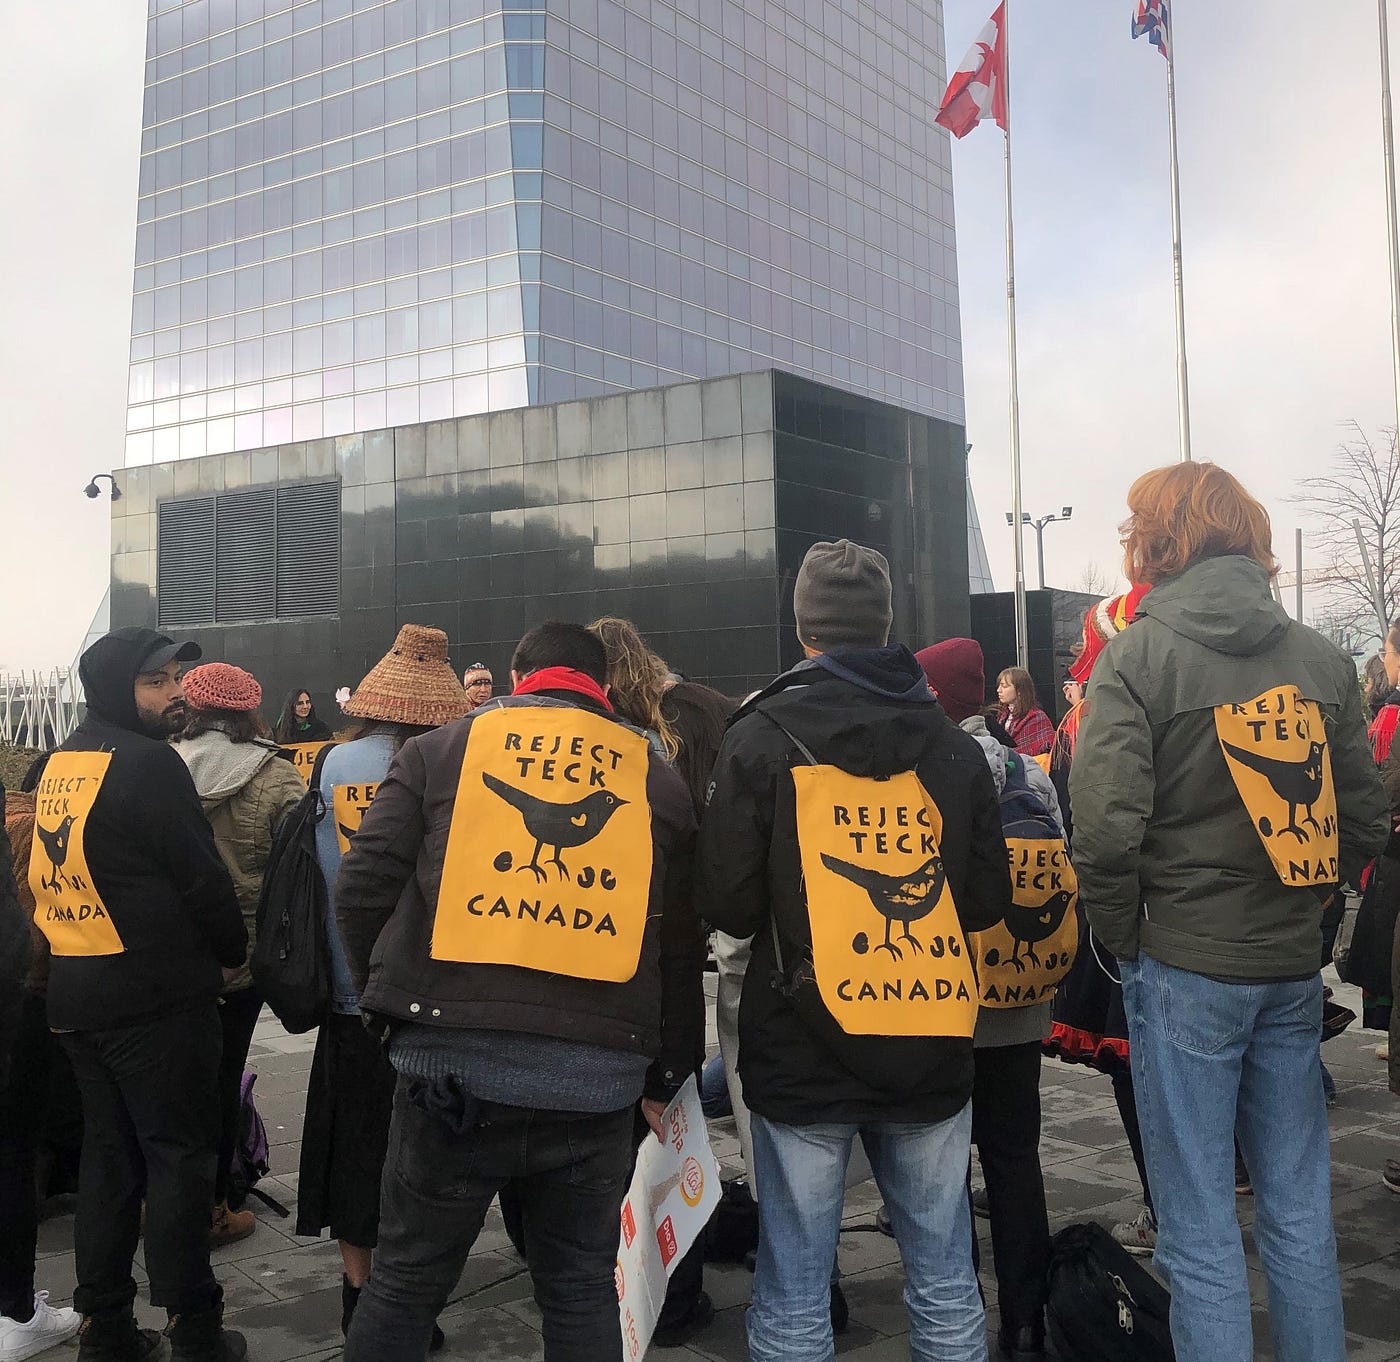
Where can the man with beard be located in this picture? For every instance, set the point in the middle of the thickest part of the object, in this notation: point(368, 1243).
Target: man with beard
point(140, 914)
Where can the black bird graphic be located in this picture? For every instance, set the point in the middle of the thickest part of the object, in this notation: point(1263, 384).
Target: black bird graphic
point(556, 825)
point(898, 898)
point(55, 843)
point(345, 832)
point(1030, 925)
point(1297, 783)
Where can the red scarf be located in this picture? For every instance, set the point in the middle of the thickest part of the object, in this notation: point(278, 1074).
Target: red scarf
point(563, 678)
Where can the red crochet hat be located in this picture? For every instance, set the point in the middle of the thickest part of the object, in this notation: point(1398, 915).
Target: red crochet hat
point(955, 672)
point(221, 685)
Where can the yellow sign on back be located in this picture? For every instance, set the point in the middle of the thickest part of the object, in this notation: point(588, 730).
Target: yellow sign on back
point(888, 949)
point(304, 756)
point(349, 804)
point(67, 907)
point(549, 857)
point(1276, 748)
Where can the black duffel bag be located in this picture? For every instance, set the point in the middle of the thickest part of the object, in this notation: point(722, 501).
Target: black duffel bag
point(1104, 1306)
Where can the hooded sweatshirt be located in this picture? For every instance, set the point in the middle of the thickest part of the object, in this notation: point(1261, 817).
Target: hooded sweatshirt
point(1171, 858)
point(870, 713)
point(153, 862)
point(246, 790)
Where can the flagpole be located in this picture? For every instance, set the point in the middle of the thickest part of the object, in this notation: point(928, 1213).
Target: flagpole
point(1014, 399)
point(1388, 143)
point(1183, 396)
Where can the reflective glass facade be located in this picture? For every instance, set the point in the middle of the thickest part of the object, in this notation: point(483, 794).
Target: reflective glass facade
point(357, 214)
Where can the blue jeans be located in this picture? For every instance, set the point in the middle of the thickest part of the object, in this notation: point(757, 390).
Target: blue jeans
point(920, 1170)
point(1212, 1060)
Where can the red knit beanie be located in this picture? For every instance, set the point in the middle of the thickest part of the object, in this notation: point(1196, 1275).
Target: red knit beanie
point(221, 685)
point(955, 674)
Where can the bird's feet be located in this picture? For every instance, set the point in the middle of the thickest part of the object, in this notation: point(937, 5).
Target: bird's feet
point(1295, 830)
point(538, 871)
point(895, 952)
point(1018, 962)
point(1033, 957)
point(918, 949)
point(563, 869)
point(1313, 824)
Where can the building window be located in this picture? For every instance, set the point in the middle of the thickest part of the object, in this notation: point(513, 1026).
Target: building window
point(261, 554)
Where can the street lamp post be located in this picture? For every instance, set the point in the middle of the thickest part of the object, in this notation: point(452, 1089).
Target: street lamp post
point(1065, 513)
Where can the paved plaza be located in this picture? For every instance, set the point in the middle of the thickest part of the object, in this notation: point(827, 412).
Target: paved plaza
point(284, 1292)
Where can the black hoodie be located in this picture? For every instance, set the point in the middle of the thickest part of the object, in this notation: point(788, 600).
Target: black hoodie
point(152, 859)
point(870, 713)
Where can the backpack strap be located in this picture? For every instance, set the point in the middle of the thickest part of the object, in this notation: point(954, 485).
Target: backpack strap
point(781, 982)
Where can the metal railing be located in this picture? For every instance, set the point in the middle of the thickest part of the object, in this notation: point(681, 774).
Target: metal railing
point(39, 709)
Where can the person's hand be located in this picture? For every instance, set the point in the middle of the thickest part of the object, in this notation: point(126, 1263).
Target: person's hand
point(654, 1111)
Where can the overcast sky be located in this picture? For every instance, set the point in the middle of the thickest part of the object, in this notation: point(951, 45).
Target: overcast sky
point(1286, 278)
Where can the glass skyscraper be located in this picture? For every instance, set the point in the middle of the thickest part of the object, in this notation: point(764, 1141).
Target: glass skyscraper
point(360, 214)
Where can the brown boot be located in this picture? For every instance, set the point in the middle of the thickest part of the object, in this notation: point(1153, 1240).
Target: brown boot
point(228, 1227)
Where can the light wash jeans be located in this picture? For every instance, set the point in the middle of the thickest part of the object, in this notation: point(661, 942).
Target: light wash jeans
point(1212, 1061)
point(921, 1171)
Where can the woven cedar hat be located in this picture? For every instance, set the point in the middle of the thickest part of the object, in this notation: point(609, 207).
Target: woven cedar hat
point(412, 683)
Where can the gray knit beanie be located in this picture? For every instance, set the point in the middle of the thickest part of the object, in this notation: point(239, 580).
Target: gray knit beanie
point(842, 597)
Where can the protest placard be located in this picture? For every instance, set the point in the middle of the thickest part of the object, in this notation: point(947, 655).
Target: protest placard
point(673, 1194)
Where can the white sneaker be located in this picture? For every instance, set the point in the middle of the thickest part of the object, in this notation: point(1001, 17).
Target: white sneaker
point(48, 1328)
point(1138, 1236)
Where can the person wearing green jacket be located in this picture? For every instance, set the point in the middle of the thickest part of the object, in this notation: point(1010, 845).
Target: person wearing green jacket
point(1223, 788)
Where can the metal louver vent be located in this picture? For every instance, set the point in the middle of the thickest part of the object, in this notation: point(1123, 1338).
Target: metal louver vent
point(245, 573)
point(308, 549)
point(185, 563)
point(262, 554)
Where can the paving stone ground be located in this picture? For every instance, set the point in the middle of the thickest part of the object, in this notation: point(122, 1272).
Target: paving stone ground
point(284, 1291)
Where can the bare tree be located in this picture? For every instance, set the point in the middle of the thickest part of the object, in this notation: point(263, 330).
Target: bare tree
point(1362, 486)
point(1094, 581)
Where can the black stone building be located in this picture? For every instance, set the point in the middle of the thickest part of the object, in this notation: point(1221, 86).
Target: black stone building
point(687, 509)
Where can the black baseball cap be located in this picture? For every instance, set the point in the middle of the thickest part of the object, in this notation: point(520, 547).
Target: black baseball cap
point(164, 650)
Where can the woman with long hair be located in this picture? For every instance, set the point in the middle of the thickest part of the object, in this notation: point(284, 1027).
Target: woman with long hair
point(1032, 733)
point(297, 721)
point(349, 1100)
point(637, 681)
point(245, 788)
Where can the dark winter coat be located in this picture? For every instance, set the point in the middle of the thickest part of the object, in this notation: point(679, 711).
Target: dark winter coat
point(386, 896)
point(14, 950)
point(1169, 859)
point(153, 862)
point(873, 716)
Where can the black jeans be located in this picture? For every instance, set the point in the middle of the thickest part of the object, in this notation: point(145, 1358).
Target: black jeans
point(23, 1102)
point(570, 1171)
point(151, 1128)
point(1006, 1131)
point(238, 1016)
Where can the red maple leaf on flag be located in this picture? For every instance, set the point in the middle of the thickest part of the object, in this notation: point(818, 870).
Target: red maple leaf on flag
point(978, 87)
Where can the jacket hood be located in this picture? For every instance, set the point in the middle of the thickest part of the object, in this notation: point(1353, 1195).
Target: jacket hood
point(865, 710)
point(976, 728)
point(1223, 604)
point(108, 671)
point(221, 767)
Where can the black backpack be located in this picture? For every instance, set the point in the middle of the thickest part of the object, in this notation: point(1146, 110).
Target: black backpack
point(291, 960)
point(1104, 1306)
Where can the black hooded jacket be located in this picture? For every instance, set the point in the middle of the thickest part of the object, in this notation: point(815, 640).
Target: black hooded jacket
point(870, 713)
point(153, 862)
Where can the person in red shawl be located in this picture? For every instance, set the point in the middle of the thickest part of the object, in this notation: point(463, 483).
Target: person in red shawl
point(1027, 725)
point(1088, 1025)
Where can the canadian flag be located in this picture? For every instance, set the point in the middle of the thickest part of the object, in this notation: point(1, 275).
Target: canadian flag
point(978, 87)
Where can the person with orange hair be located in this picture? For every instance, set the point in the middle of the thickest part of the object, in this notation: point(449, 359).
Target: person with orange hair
point(1223, 789)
